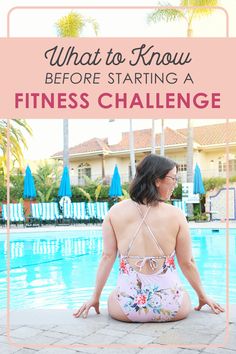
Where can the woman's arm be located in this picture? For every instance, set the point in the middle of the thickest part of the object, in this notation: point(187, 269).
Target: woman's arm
point(106, 263)
point(188, 265)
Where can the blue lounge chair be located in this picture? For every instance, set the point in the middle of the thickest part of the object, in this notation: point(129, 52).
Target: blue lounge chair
point(91, 211)
point(182, 205)
point(16, 213)
point(36, 213)
point(79, 212)
point(67, 211)
point(50, 212)
point(101, 210)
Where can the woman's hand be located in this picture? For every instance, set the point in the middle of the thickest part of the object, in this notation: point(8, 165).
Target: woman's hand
point(84, 309)
point(216, 308)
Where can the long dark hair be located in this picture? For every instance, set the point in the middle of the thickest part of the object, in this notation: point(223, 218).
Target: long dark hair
point(143, 189)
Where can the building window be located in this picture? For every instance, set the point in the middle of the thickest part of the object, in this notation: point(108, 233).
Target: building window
point(232, 166)
point(84, 169)
point(220, 167)
point(182, 167)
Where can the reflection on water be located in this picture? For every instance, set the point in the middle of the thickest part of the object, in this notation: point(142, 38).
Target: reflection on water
point(57, 270)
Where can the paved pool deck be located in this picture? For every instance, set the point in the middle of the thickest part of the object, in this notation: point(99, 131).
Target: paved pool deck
point(56, 331)
point(44, 228)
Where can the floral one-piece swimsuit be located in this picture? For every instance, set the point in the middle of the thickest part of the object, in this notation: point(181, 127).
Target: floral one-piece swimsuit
point(155, 297)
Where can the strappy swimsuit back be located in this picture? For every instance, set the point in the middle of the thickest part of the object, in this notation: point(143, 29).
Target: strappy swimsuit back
point(154, 297)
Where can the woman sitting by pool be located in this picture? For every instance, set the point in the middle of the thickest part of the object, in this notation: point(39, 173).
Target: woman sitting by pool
point(147, 233)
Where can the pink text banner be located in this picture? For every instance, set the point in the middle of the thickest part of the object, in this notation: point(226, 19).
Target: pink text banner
point(121, 78)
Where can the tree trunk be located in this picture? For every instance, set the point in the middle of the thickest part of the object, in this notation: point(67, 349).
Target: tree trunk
point(65, 142)
point(190, 160)
point(162, 143)
point(190, 144)
point(131, 147)
point(103, 166)
point(190, 152)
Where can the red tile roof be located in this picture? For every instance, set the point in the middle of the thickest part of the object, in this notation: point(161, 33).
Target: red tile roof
point(143, 138)
point(213, 134)
point(91, 145)
point(204, 135)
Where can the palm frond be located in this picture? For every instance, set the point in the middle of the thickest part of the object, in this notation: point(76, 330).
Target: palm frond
point(89, 181)
point(167, 15)
point(24, 124)
point(98, 191)
point(94, 23)
point(201, 12)
point(86, 194)
point(70, 25)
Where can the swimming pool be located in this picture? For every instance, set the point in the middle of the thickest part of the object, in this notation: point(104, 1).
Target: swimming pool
point(57, 269)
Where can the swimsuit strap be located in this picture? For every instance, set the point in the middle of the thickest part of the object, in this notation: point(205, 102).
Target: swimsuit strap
point(137, 231)
point(150, 231)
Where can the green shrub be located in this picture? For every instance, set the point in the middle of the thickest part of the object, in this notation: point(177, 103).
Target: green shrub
point(232, 179)
point(77, 195)
point(177, 194)
point(213, 183)
point(3, 189)
point(47, 179)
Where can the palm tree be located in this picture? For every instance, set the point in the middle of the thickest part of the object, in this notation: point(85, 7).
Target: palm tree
point(71, 25)
point(47, 178)
point(162, 149)
point(17, 141)
point(188, 15)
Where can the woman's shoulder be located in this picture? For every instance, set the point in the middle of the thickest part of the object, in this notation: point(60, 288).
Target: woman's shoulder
point(121, 210)
point(121, 205)
point(174, 211)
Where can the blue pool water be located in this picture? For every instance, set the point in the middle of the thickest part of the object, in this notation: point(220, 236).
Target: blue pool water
point(58, 269)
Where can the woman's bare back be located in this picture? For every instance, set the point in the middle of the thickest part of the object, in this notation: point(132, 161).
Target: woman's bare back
point(162, 220)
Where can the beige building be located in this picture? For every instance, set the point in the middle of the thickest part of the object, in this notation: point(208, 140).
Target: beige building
point(96, 157)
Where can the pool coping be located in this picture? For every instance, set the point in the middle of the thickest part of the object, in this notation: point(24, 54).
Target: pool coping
point(192, 225)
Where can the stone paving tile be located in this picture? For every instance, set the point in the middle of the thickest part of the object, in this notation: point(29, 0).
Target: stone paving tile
point(56, 351)
point(69, 340)
point(122, 326)
point(27, 351)
point(152, 329)
point(3, 339)
point(188, 351)
point(218, 351)
point(2, 330)
point(90, 350)
point(29, 342)
point(53, 334)
point(111, 332)
point(25, 332)
point(164, 350)
point(76, 330)
point(44, 327)
point(124, 350)
point(225, 342)
point(7, 349)
point(99, 339)
point(200, 319)
point(181, 337)
point(133, 338)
